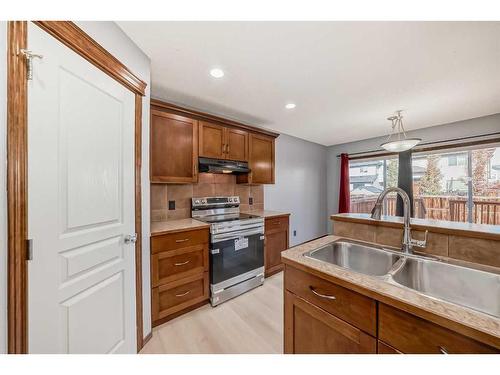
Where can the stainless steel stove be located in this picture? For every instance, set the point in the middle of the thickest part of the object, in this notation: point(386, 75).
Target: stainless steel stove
point(236, 246)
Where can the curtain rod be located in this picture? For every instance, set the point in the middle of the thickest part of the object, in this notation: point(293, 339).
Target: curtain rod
point(424, 144)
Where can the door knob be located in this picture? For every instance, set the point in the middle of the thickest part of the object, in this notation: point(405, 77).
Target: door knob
point(131, 238)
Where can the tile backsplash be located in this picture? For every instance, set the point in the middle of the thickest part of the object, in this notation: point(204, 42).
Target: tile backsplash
point(208, 185)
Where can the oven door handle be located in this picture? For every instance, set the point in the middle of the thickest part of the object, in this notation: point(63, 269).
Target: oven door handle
point(235, 235)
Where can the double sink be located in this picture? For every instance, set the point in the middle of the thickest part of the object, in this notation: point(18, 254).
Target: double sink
point(475, 289)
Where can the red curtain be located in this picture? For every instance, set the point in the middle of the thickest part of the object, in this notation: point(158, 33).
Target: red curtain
point(344, 195)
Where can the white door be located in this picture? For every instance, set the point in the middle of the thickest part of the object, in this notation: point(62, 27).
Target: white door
point(80, 205)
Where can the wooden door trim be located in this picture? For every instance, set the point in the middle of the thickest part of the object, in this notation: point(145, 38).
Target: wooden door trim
point(17, 38)
point(138, 223)
point(17, 125)
point(75, 38)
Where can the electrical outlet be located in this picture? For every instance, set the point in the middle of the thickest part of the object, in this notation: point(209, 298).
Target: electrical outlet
point(171, 205)
point(294, 233)
point(250, 200)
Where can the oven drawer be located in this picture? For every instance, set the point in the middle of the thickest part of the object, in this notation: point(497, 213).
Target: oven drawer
point(354, 308)
point(172, 265)
point(178, 240)
point(176, 296)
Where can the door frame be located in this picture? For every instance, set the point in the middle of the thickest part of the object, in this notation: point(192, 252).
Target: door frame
point(76, 39)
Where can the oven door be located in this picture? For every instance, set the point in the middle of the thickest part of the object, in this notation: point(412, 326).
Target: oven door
point(234, 254)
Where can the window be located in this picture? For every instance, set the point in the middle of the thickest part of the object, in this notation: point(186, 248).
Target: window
point(458, 186)
point(368, 178)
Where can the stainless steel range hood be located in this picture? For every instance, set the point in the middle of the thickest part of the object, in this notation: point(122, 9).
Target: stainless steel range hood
point(222, 166)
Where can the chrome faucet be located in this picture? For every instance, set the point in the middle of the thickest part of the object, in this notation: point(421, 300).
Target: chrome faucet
point(408, 242)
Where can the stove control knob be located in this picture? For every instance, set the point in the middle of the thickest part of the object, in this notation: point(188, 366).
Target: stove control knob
point(230, 199)
point(197, 201)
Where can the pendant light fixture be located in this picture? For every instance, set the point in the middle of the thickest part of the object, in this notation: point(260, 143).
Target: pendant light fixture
point(397, 141)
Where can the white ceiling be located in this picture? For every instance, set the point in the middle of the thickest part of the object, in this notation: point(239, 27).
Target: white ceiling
point(345, 77)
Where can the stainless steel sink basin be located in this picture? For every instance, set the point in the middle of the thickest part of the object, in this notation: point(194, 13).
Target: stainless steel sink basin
point(357, 257)
point(468, 287)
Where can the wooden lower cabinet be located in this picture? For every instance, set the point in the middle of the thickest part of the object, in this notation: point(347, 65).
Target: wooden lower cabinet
point(352, 307)
point(179, 273)
point(324, 317)
point(383, 348)
point(176, 296)
point(276, 241)
point(311, 330)
point(413, 335)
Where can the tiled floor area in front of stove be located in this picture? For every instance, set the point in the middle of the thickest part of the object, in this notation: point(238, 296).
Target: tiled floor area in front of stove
point(250, 323)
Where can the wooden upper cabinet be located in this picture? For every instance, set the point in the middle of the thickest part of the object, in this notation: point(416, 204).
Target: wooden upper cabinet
point(236, 144)
point(212, 140)
point(173, 148)
point(261, 160)
point(220, 142)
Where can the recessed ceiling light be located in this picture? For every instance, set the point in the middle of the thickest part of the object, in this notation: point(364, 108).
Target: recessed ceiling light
point(217, 73)
point(290, 106)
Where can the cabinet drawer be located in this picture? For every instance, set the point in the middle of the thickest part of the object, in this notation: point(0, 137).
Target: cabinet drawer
point(178, 240)
point(410, 334)
point(350, 306)
point(277, 224)
point(178, 295)
point(172, 265)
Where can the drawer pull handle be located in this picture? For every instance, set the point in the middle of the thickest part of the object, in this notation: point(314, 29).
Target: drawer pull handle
point(182, 263)
point(183, 294)
point(184, 240)
point(322, 295)
point(442, 350)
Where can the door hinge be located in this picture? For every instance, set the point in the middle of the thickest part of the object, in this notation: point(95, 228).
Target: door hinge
point(29, 249)
point(29, 56)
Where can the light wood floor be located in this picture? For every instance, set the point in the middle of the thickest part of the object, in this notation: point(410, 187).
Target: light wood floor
point(250, 323)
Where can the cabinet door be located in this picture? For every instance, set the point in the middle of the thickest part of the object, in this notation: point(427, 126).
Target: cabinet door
point(174, 148)
point(276, 232)
point(212, 141)
point(275, 243)
point(236, 144)
point(261, 159)
point(311, 330)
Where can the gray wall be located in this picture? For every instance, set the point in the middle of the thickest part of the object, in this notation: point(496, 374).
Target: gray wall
point(477, 126)
point(300, 187)
point(3, 187)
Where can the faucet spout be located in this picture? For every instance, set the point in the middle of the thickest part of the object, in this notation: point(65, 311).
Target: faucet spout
point(377, 214)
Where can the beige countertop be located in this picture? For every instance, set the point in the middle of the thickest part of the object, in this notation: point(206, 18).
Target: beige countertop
point(438, 226)
point(393, 294)
point(266, 213)
point(163, 227)
point(167, 226)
